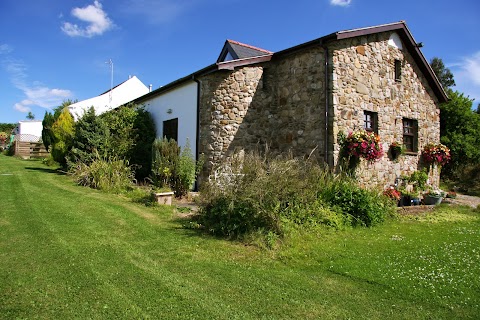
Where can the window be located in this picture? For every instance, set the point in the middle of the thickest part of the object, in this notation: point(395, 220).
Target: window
point(170, 129)
point(398, 70)
point(410, 134)
point(370, 122)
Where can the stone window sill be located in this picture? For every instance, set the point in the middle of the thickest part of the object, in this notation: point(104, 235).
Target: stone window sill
point(410, 153)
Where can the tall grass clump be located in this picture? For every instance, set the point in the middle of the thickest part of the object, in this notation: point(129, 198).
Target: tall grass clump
point(165, 156)
point(108, 174)
point(174, 167)
point(256, 193)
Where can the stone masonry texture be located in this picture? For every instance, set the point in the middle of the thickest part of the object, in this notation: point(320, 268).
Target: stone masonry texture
point(281, 104)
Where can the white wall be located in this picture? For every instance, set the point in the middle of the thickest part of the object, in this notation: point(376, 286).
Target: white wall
point(30, 130)
point(182, 101)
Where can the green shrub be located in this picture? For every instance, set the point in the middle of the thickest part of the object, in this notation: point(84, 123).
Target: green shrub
point(364, 207)
point(108, 174)
point(174, 167)
point(261, 194)
point(186, 171)
point(141, 152)
point(165, 154)
point(143, 196)
point(131, 134)
point(48, 138)
point(91, 137)
point(49, 161)
point(126, 132)
point(63, 130)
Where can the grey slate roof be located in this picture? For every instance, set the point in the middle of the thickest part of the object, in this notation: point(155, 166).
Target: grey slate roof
point(240, 50)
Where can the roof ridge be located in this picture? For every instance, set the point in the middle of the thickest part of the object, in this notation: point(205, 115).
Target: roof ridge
point(373, 27)
point(118, 85)
point(248, 46)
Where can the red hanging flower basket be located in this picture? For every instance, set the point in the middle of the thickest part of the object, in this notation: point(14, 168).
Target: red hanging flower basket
point(436, 154)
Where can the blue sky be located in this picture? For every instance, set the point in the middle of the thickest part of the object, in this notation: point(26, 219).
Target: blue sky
point(53, 50)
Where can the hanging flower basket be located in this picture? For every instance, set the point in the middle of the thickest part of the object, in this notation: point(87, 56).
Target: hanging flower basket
point(363, 144)
point(396, 150)
point(436, 154)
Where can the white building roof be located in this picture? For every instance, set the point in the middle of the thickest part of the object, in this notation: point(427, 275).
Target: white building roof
point(120, 95)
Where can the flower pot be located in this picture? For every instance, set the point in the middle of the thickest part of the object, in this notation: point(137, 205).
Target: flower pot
point(432, 200)
point(415, 201)
point(405, 201)
point(164, 198)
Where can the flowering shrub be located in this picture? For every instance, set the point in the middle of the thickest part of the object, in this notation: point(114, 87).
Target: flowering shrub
point(436, 154)
point(3, 137)
point(363, 144)
point(392, 193)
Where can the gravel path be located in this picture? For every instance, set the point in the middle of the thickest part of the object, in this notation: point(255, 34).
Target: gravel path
point(461, 199)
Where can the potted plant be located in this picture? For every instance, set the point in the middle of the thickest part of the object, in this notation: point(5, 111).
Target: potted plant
point(393, 194)
point(396, 149)
point(433, 197)
point(415, 198)
point(362, 144)
point(407, 195)
point(436, 154)
point(418, 179)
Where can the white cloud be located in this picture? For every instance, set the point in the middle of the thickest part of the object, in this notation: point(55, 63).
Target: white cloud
point(97, 21)
point(472, 67)
point(155, 11)
point(342, 3)
point(467, 76)
point(5, 49)
point(23, 106)
point(36, 94)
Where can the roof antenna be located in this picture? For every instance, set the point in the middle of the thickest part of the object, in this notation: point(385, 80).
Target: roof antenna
point(110, 62)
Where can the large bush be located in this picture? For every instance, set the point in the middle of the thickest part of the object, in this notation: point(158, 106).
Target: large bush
point(125, 133)
point(63, 130)
point(48, 138)
point(360, 206)
point(91, 137)
point(272, 195)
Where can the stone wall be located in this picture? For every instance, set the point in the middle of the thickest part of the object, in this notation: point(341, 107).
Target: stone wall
point(363, 80)
point(279, 104)
point(282, 103)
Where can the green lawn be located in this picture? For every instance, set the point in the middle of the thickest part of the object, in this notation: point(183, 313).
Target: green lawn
point(72, 252)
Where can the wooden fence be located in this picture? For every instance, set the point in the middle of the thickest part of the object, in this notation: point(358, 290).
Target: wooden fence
point(27, 149)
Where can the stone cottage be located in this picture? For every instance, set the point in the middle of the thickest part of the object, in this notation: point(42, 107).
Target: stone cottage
point(299, 99)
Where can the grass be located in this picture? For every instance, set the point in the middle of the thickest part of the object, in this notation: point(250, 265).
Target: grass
point(73, 252)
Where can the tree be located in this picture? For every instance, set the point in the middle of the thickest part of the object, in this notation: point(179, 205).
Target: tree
point(30, 115)
point(460, 131)
point(47, 134)
point(132, 132)
point(7, 127)
point(91, 137)
point(124, 133)
point(443, 74)
point(63, 130)
point(58, 110)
